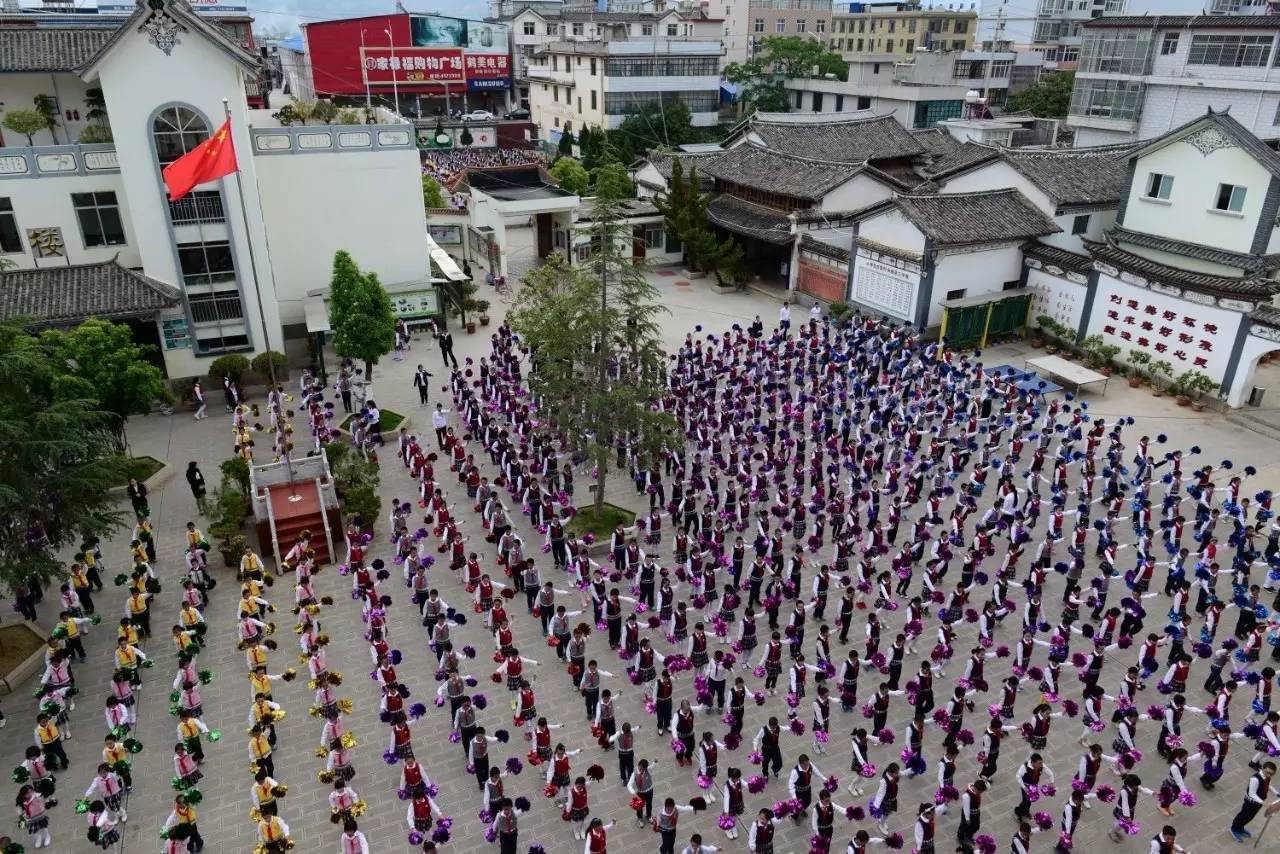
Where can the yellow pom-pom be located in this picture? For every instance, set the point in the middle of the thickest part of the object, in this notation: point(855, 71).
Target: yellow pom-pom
point(321, 753)
point(358, 808)
point(255, 815)
point(314, 711)
point(325, 777)
point(349, 740)
point(345, 706)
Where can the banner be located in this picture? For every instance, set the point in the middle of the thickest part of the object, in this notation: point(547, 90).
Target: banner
point(438, 31)
point(488, 71)
point(385, 66)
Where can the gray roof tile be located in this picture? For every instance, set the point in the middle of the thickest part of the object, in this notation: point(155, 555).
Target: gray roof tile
point(55, 295)
point(1075, 177)
point(959, 219)
point(1188, 22)
point(48, 49)
point(1252, 287)
point(847, 141)
point(774, 172)
point(1057, 256)
point(936, 141)
point(742, 217)
point(1196, 250)
point(965, 156)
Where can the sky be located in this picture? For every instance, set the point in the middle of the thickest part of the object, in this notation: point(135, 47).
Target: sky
point(287, 14)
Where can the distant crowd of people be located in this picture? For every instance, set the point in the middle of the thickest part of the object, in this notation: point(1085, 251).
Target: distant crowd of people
point(448, 167)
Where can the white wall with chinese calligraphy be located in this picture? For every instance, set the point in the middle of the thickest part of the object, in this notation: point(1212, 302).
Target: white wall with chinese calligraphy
point(1187, 334)
point(886, 285)
point(1060, 298)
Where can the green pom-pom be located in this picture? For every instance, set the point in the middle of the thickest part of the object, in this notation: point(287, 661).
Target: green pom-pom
point(149, 663)
point(120, 580)
point(96, 619)
point(122, 766)
point(20, 775)
point(177, 784)
point(206, 676)
point(174, 696)
point(119, 733)
point(214, 735)
point(49, 707)
point(153, 586)
point(44, 786)
point(82, 806)
point(133, 745)
point(164, 833)
point(59, 633)
point(12, 848)
point(174, 710)
point(192, 797)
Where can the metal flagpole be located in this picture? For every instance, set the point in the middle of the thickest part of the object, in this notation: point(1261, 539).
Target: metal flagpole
point(1263, 832)
point(262, 314)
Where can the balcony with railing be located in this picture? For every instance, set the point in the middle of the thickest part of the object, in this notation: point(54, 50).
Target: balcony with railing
point(56, 161)
point(215, 307)
point(200, 208)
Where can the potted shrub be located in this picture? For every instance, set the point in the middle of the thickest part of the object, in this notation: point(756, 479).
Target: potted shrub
point(267, 359)
point(482, 308)
point(1161, 370)
point(1179, 389)
point(228, 512)
point(1044, 324)
point(1139, 361)
point(1195, 385)
point(1099, 353)
point(231, 365)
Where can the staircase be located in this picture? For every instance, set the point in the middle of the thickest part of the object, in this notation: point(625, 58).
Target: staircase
point(290, 518)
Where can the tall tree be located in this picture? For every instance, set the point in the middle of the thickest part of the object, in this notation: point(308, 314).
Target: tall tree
point(26, 122)
point(612, 181)
point(570, 175)
point(779, 59)
point(58, 461)
point(1049, 98)
point(597, 345)
point(363, 321)
point(566, 143)
point(684, 211)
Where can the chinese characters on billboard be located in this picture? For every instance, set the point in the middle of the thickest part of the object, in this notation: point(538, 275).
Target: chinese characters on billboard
point(384, 66)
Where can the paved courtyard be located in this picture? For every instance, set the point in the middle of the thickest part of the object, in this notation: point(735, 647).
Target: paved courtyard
point(224, 812)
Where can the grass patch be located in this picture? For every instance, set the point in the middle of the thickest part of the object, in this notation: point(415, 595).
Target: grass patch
point(140, 468)
point(585, 521)
point(16, 645)
point(388, 421)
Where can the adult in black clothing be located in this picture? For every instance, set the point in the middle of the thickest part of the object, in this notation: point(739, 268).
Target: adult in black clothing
point(137, 493)
point(446, 347)
point(195, 479)
point(421, 380)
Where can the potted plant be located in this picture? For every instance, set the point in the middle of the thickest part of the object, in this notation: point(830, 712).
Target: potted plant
point(1161, 370)
point(1179, 389)
point(1139, 361)
point(228, 512)
point(1099, 353)
point(1044, 324)
point(1195, 385)
point(482, 307)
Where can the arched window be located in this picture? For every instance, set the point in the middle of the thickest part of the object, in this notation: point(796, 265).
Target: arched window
point(176, 131)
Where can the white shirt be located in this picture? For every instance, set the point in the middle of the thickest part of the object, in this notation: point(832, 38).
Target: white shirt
point(784, 313)
point(437, 418)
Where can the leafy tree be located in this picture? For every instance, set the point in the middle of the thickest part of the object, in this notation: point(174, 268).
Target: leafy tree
point(1049, 98)
point(96, 133)
point(349, 116)
point(96, 105)
point(597, 348)
point(782, 58)
point(465, 137)
point(684, 210)
point(570, 175)
point(432, 193)
point(286, 115)
point(26, 122)
point(58, 461)
point(363, 322)
point(324, 111)
point(302, 110)
point(98, 360)
point(48, 107)
point(566, 144)
point(665, 125)
point(592, 145)
point(612, 181)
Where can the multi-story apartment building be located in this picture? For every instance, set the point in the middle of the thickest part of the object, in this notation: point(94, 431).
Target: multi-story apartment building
point(1138, 76)
point(900, 29)
point(599, 83)
point(811, 18)
point(534, 31)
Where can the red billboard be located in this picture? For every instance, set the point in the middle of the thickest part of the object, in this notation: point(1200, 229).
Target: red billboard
point(387, 66)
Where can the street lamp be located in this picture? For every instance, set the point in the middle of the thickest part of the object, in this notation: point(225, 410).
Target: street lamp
point(395, 86)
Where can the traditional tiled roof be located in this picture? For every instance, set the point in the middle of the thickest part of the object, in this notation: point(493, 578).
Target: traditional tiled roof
point(1057, 257)
point(742, 217)
point(846, 140)
point(1199, 251)
point(48, 50)
point(1187, 22)
point(53, 295)
point(1230, 129)
point(663, 160)
point(1075, 177)
point(1267, 314)
point(774, 172)
point(821, 247)
point(965, 156)
point(936, 141)
point(963, 219)
point(1250, 287)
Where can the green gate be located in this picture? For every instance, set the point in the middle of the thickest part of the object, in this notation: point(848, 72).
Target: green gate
point(964, 327)
point(1009, 316)
point(971, 322)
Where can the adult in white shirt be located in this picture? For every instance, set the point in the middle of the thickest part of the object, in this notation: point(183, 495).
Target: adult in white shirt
point(784, 317)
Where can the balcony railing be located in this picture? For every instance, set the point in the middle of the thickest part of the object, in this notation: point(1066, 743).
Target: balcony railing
point(211, 308)
point(196, 208)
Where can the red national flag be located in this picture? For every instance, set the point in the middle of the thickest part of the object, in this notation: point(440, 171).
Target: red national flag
point(208, 161)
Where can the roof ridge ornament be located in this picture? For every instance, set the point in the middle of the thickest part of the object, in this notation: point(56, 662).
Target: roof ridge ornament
point(161, 28)
point(1208, 139)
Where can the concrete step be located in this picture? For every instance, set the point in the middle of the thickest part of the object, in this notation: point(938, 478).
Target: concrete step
point(1265, 422)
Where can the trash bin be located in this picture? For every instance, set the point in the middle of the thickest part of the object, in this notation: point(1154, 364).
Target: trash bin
point(1256, 395)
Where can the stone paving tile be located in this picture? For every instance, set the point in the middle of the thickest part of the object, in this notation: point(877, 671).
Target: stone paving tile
point(223, 814)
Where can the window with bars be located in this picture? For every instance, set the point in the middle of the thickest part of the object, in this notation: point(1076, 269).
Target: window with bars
point(10, 237)
point(206, 263)
point(1107, 99)
point(1001, 68)
point(99, 216)
point(1230, 51)
point(759, 25)
point(625, 103)
point(674, 66)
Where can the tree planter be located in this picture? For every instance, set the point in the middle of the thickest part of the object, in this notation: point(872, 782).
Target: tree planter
point(1051, 350)
point(1038, 343)
point(1106, 372)
point(484, 320)
point(1156, 392)
point(1135, 382)
point(1183, 400)
point(1197, 405)
point(471, 327)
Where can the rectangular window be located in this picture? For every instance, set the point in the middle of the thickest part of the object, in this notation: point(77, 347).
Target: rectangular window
point(961, 27)
point(1275, 120)
point(817, 102)
point(555, 63)
point(593, 66)
point(958, 293)
point(862, 26)
point(1230, 51)
point(10, 238)
point(577, 29)
point(1230, 198)
point(892, 24)
point(206, 263)
point(839, 103)
point(672, 30)
point(911, 45)
point(99, 216)
point(579, 103)
point(864, 102)
point(551, 29)
point(555, 94)
point(653, 236)
point(213, 307)
point(1169, 44)
point(859, 47)
point(529, 28)
point(780, 25)
point(875, 68)
point(799, 99)
point(800, 25)
point(646, 29)
point(593, 99)
point(759, 25)
point(1001, 68)
point(911, 25)
point(1108, 99)
point(1080, 224)
point(1159, 186)
point(820, 26)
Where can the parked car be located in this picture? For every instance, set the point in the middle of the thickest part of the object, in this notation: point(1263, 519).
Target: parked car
point(518, 114)
point(478, 116)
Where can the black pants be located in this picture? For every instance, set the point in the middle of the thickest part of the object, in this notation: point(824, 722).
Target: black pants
point(663, 711)
point(446, 355)
point(717, 690)
point(1247, 811)
point(647, 812)
point(668, 845)
point(422, 393)
point(772, 760)
point(467, 735)
point(440, 431)
point(592, 698)
point(55, 755)
point(507, 843)
point(76, 647)
point(346, 400)
point(626, 764)
point(86, 599)
point(268, 764)
point(482, 771)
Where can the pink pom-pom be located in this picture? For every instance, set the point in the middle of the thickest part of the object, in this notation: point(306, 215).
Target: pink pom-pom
point(726, 821)
point(867, 770)
point(1105, 794)
point(705, 782)
point(1187, 798)
point(797, 727)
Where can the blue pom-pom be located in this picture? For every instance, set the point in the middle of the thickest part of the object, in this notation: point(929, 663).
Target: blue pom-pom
point(377, 563)
point(1250, 470)
point(1226, 464)
point(1161, 438)
point(396, 657)
point(1194, 449)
